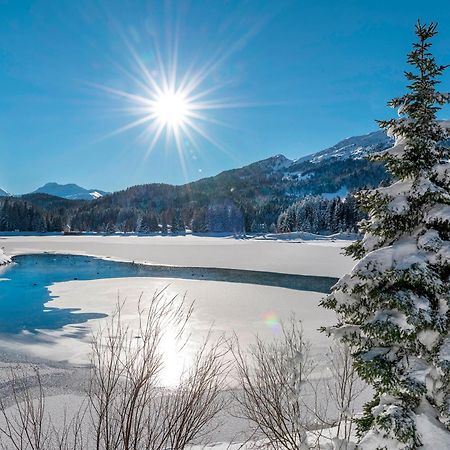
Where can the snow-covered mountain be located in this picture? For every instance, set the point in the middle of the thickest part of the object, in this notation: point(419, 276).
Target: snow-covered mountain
point(4, 193)
point(70, 191)
point(355, 147)
point(277, 180)
point(350, 149)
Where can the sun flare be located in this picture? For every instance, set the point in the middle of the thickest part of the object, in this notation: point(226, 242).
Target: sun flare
point(164, 102)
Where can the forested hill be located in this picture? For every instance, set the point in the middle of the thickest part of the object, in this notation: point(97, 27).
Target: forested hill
point(250, 198)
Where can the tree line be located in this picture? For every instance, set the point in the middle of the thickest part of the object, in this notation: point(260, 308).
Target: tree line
point(20, 215)
point(17, 214)
point(313, 214)
point(321, 215)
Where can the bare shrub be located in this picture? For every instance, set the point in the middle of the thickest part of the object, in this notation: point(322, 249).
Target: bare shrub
point(288, 407)
point(273, 380)
point(69, 435)
point(24, 424)
point(344, 387)
point(126, 408)
point(186, 414)
point(129, 409)
point(125, 366)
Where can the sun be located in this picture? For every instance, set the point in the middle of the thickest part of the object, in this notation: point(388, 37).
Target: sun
point(171, 109)
point(163, 102)
point(175, 101)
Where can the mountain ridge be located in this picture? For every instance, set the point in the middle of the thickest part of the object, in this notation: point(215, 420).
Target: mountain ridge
point(251, 197)
point(259, 191)
point(70, 191)
point(301, 169)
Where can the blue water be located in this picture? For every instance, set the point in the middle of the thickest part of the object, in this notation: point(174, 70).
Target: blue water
point(24, 293)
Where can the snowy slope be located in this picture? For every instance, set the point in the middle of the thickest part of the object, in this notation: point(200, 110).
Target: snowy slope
point(4, 193)
point(352, 148)
point(70, 191)
point(355, 147)
point(339, 169)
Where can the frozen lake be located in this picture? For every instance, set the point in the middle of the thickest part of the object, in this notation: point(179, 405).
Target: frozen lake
point(24, 290)
point(321, 258)
point(62, 288)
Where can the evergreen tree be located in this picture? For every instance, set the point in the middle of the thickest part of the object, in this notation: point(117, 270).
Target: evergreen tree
point(149, 223)
point(320, 215)
point(393, 308)
point(199, 224)
point(178, 226)
point(282, 224)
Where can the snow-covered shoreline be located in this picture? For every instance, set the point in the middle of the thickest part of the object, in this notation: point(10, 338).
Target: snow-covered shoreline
point(311, 257)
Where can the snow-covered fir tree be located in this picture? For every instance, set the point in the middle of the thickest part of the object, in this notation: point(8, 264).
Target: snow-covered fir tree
point(316, 214)
point(393, 308)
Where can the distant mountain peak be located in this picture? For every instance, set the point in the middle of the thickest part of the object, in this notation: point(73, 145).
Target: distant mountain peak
point(275, 163)
point(70, 191)
point(4, 193)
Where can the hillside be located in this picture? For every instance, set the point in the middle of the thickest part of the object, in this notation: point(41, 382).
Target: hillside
point(256, 193)
point(246, 198)
point(52, 202)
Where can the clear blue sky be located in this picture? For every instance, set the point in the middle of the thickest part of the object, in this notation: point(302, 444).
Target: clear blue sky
point(309, 73)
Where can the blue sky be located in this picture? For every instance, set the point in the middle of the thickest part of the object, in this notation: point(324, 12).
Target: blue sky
point(297, 76)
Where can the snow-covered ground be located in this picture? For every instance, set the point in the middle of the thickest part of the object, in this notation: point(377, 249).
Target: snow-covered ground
point(342, 239)
point(301, 257)
point(3, 258)
point(220, 307)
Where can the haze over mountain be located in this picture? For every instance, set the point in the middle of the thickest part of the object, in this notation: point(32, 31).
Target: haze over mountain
point(70, 191)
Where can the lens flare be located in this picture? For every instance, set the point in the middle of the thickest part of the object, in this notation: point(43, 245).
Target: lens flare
point(272, 321)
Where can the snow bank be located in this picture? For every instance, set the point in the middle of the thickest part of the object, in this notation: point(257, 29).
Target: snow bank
point(3, 258)
point(305, 236)
point(432, 433)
